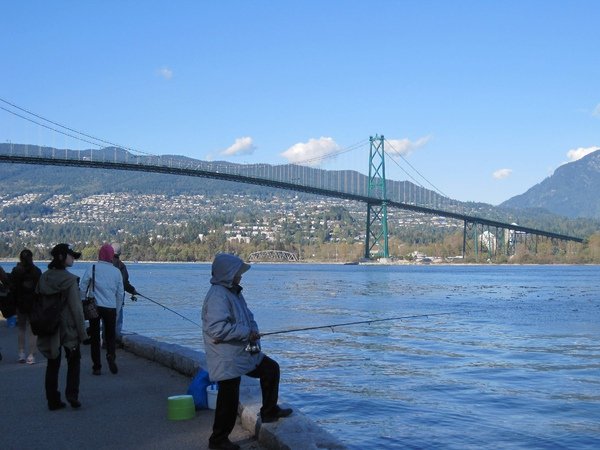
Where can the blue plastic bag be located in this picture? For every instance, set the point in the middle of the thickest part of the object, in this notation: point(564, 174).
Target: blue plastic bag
point(197, 389)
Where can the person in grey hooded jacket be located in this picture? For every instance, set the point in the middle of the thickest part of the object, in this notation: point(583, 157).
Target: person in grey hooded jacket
point(228, 328)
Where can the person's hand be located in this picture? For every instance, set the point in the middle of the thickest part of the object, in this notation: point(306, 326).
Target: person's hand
point(254, 336)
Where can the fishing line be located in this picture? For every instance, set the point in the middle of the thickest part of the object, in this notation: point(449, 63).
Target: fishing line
point(166, 307)
point(330, 326)
point(335, 325)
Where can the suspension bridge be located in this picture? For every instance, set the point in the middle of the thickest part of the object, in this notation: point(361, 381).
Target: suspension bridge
point(375, 191)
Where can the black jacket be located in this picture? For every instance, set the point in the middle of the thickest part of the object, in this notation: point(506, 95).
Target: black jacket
point(23, 280)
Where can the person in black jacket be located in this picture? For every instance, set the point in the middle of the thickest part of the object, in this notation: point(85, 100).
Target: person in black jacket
point(23, 280)
point(128, 288)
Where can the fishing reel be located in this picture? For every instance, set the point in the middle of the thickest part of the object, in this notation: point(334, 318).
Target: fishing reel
point(253, 348)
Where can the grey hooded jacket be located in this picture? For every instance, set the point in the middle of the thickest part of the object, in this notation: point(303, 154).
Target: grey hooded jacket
point(72, 325)
point(227, 323)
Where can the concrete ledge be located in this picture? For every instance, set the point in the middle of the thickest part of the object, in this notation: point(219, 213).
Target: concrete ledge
point(296, 432)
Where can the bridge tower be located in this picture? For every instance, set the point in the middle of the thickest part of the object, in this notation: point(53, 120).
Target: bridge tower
point(377, 230)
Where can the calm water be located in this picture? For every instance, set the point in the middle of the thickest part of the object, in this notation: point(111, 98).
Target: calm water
point(516, 365)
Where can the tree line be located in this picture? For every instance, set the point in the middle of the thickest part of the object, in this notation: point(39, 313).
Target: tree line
point(342, 242)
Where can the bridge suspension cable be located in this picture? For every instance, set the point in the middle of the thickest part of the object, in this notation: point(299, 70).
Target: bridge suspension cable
point(397, 152)
point(331, 155)
point(48, 127)
point(70, 130)
point(100, 142)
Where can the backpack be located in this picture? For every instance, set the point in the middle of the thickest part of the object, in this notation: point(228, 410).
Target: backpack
point(26, 296)
point(45, 313)
point(8, 305)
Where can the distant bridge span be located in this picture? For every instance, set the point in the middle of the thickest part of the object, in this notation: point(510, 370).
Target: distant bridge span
point(155, 164)
point(272, 255)
point(205, 173)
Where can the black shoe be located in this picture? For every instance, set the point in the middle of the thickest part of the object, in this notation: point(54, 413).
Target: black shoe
point(281, 412)
point(74, 402)
point(223, 445)
point(112, 365)
point(56, 405)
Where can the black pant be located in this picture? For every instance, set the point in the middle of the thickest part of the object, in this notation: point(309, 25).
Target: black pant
point(109, 318)
point(73, 357)
point(229, 397)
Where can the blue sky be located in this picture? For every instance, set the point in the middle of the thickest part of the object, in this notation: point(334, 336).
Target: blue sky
point(484, 98)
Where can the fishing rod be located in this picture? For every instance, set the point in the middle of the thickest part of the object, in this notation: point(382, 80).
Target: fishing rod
point(330, 326)
point(166, 307)
point(335, 325)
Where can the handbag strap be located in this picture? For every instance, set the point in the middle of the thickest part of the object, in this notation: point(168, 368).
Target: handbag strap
point(92, 281)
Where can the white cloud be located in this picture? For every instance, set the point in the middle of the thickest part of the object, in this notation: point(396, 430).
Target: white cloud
point(405, 146)
point(311, 152)
point(242, 146)
point(165, 73)
point(578, 153)
point(501, 174)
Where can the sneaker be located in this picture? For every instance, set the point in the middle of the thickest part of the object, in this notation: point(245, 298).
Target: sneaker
point(31, 359)
point(21, 357)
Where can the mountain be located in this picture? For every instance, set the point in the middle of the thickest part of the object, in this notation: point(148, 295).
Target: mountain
point(572, 191)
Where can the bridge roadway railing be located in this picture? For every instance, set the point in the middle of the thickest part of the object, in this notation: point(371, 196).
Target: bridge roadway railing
point(258, 174)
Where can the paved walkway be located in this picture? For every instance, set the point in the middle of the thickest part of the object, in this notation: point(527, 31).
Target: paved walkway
point(123, 411)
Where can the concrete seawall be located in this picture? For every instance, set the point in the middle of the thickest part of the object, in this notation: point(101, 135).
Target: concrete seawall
point(296, 432)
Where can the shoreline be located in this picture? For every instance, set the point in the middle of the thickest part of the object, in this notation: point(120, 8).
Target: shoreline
point(333, 263)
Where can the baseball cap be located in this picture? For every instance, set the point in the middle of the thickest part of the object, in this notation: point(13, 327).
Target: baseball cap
point(117, 248)
point(64, 249)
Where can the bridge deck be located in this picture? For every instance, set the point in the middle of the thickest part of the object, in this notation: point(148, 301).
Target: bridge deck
point(156, 165)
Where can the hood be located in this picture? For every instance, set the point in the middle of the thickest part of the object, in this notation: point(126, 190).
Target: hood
point(225, 267)
point(55, 280)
